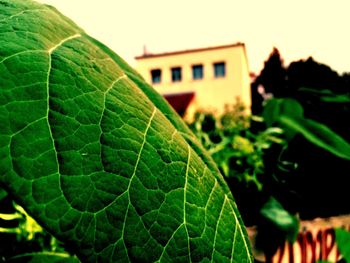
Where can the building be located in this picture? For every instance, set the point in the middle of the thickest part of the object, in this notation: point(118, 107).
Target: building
point(205, 78)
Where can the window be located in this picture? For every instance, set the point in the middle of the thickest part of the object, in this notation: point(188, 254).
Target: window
point(156, 76)
point(197, 71)
point(219, 70)
point(176, 74)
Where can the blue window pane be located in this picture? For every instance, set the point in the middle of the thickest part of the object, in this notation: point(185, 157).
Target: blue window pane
point(156, 76)
point(219, 70)
point(176, 74)
point(197, 71)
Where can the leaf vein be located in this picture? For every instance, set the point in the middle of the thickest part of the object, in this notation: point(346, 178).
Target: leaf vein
point(234, 241)
point(50, 51)
point(216, 228)
point(185, 201)
point(104, 111)
point(20, 53)
point(166, 245)
point(246, 246)
point(20, 13)
point(134, 172)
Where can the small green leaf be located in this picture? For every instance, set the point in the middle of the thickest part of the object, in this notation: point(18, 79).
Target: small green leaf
point(319, 135)
point(342, 238)
point(274, 212)
point(336, 98)
point(3, 193)
point(328, 96)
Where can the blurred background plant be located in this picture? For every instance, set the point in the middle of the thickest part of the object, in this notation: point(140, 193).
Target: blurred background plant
point(235, 147)
point(23, 239)
point(260, 159)
point(241, 144)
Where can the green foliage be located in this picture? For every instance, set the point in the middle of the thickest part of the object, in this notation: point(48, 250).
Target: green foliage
point(312, 115)
point(237, 151)
point(240, 153)
point(289, 115)
point(324, 96)
point(97, 157)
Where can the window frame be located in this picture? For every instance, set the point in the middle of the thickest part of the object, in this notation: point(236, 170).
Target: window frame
point(153, 77)
point(176, 78)
point(219, 73)
point(200, 67)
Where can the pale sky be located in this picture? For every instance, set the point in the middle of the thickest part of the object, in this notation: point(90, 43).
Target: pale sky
point(298, 28)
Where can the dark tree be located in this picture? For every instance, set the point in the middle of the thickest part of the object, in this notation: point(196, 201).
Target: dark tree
point(344, 85)
point(272, 79)
point(273, 76)
point(311, 74)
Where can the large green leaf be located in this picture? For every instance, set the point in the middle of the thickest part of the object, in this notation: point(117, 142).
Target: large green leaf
point(278, 107)
point(288, 113)
point(98, 157)
point(319, 134)
point(275, 108)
